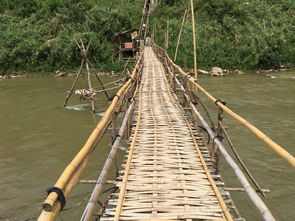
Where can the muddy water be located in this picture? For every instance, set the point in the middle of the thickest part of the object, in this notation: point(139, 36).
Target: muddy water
point(39, 137)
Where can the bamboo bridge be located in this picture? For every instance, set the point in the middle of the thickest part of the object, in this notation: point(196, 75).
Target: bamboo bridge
point(170, 171)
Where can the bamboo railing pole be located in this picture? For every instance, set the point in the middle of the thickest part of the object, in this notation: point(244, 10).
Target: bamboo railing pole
point(89, 210)
point(50, 202)
point(194, 40)
point(207, 172)
point(52, 215)
point(128, 163)
point(241, 177)
point(239, 174)
point(269, 142)
point(179, 35)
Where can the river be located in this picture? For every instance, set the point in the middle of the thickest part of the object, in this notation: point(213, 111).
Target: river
point(39, 138)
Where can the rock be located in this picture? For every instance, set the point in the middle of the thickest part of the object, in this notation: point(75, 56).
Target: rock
point(216, 72)
point(237, 71)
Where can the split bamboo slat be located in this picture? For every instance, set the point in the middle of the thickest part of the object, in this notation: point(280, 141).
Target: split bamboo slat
point(165, 175)
point(70, 176)
point(269, 142)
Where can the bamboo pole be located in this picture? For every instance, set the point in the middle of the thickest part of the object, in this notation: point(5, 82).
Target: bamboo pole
point(102, 86)
point(89, 210)
point(236, 189)
point(51, 206)
point(90, 86)
point(269, 142)
point(74, 84)
point(179, 35)
point(239, 174)
point(241, 177)
point(167, 35)
point(240, 160)
point(194, 39)
point(209, 176)
point(128, 164)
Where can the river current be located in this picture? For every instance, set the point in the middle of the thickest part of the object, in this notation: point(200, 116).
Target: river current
point(39, 138)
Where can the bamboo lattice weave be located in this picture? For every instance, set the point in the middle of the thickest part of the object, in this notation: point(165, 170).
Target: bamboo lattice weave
point(166, 179)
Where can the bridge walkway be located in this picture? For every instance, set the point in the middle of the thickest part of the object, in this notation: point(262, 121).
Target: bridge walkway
point(165, 174)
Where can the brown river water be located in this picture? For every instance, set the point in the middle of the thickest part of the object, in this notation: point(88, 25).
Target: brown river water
point(39, 138)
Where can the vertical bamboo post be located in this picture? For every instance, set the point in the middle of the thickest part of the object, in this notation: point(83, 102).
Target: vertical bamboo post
point(153, 35)
point(179, 35)
point(90, 87)
point(194, 40)
point(167, 35)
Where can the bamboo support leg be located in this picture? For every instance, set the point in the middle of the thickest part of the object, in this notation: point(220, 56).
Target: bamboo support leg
point(74, 84)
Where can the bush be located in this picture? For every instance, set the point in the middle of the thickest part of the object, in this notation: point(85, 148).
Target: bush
point(233, 34)
point(39, 35)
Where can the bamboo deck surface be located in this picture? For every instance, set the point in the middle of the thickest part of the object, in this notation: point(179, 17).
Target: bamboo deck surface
point(166, 178)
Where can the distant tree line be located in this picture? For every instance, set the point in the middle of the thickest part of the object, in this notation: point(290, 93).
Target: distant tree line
point(244, 34)
point(39, 35)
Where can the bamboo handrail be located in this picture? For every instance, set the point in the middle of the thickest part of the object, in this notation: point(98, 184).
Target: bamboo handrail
point(71, 174)
point(243, 180)
point(207, 172)
point(128, 163)
point(89, 210)
point(269, 142)
point(239, 174)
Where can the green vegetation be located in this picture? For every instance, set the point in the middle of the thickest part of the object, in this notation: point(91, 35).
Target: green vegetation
point(39, 35)
point(244, 34)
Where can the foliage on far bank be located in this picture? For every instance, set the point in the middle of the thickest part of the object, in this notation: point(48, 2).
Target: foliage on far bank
point(39, 35)
point(232, 33)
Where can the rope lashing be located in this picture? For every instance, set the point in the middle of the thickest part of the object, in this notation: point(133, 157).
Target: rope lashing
point(60, 195)
point(189, 75)
point(115, 138)
point(220, 138)
point(127, 78)
point(113, 96)
point(221, 101)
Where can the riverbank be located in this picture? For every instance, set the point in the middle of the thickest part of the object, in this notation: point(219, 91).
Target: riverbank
point(215, 72)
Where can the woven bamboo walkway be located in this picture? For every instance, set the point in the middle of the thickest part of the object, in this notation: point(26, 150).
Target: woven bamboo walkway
point(165, 175)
